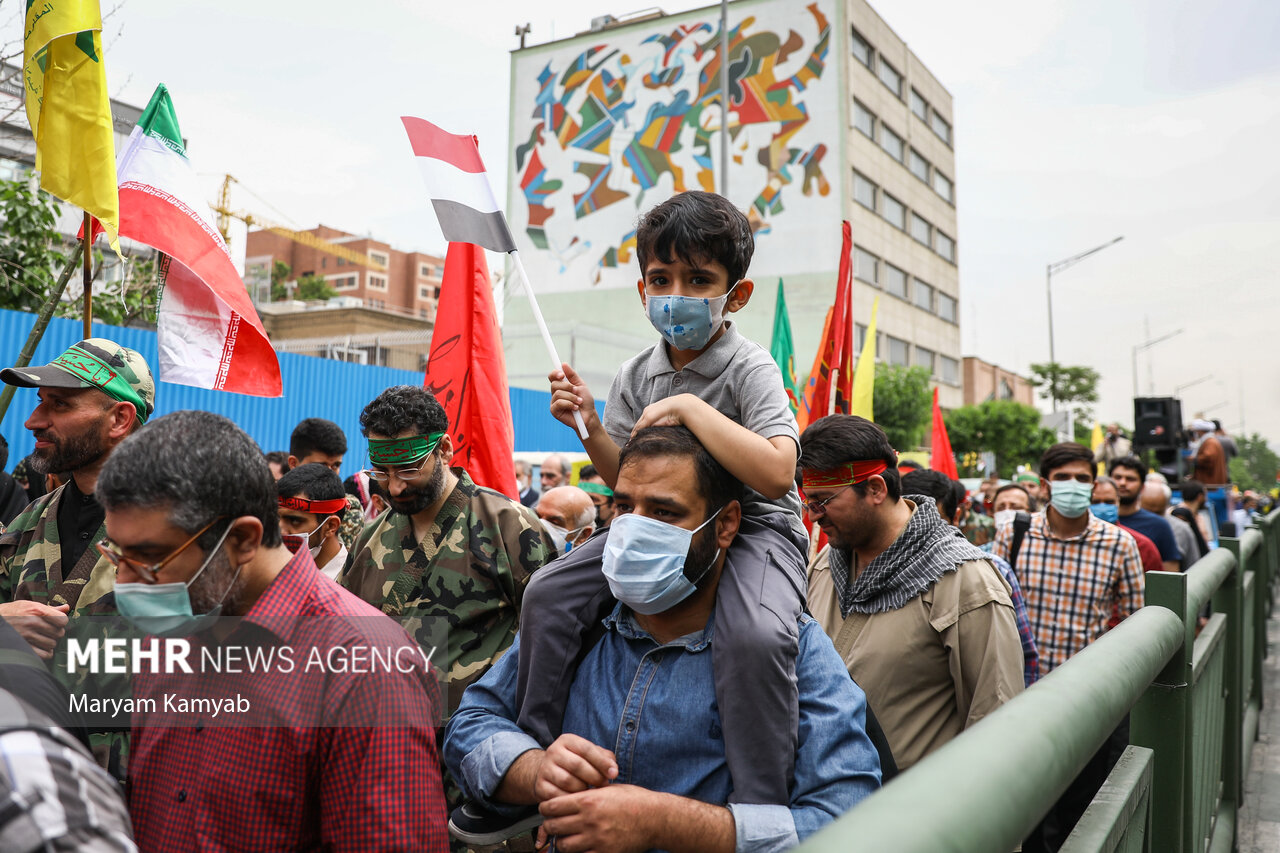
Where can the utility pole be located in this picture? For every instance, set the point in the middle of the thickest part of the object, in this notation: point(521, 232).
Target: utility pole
point(724, 98)
point(522, 30)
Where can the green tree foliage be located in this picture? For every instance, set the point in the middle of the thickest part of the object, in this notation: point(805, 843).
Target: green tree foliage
point(902, 404)
point(312, 287)
point(1074, 385)
point(1006, 428)
point(280, 272)
point(308, 287)
point(32, 252)
point(1257, 465)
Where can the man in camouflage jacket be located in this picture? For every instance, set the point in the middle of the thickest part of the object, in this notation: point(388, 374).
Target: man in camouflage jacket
point(91, 398)
point(449, 559)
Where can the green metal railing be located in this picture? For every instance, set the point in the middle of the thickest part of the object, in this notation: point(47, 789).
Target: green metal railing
point(1193, 693)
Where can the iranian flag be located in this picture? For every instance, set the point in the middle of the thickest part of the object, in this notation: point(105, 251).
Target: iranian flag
point(209, 334)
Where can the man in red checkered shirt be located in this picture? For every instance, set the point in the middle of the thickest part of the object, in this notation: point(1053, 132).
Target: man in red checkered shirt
point(299, 718)
point(1075, 570)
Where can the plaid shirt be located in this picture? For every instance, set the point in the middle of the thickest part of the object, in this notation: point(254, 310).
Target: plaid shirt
point(321, 759)
point(1030, 656)
point(1072, 585)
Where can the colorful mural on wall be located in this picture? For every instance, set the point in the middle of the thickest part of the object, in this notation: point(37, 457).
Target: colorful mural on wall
point(606, 131)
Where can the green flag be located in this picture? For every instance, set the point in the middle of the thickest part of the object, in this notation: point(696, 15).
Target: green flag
point(783, 350)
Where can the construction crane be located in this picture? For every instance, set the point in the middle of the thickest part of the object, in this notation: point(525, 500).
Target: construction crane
point(226, 214)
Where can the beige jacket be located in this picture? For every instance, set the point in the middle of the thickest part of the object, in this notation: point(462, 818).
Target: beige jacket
point(936, 666)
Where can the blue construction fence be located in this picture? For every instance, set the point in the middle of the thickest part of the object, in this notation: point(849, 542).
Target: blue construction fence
point(313, 387)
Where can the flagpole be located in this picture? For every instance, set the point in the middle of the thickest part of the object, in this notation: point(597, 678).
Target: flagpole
point(88, 276)
point(42, 323)
point(556, 364)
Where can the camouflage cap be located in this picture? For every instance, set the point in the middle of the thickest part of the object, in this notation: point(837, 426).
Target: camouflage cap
point(120, 373)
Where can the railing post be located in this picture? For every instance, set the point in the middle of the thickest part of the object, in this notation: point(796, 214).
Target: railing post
point(1258, 563)
point(1229, 600)
point(1161, 721)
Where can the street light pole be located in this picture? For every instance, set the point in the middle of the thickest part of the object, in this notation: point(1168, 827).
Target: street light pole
point(1178, 389)
point(1145, 346)
point(724, 98)
point(1049, 270)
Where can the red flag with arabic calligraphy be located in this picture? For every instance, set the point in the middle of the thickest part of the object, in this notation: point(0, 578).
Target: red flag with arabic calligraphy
point(467, 372)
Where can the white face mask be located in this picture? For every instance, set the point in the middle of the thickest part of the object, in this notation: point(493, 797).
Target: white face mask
point(1005, 516)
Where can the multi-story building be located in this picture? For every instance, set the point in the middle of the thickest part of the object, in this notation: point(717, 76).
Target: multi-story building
point(832, 118)
point(985, 381)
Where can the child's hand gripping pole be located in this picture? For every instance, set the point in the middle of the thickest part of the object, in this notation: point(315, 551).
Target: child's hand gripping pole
point(546, 335)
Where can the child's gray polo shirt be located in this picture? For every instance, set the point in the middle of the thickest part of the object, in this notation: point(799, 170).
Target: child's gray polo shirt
point(735, 376)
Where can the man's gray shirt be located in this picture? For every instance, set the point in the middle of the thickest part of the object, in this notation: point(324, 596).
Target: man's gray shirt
point(735, 376)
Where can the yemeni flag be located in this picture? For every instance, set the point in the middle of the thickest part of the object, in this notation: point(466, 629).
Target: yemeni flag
point(209, 334)
point(467, 373)
point(458, 186)
point(783, 350)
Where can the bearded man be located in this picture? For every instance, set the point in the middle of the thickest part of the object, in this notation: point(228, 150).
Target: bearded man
point(53, 581)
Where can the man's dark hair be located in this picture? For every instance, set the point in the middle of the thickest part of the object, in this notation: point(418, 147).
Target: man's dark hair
point(313, 481)
point(696, 227)
point(933, 484)
point(1031, 502)
point(280, 458)
point(1217, 425)
point(317, 435)
point(199, 466)
point(586, 472)
point(1131, 462)
point(716, 485)
point(1064, 454)
point(837, 439)
point(910, 465)
point(1191, 489)
point(401, 408)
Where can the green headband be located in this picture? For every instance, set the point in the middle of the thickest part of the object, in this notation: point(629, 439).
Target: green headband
point(596, 489)
point(402, 451)
point(87, 367)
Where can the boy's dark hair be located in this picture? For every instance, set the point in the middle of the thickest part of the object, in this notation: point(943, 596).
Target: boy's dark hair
point(1064, 454)
point(716, 485)
point(586, 472)
point(317, 435)
point(936, 485)
point(696, 227)
point(1131, 462)
point(837, 439)
point(198, 465)
point(313, 481)
point(1191, 489)
point(280, 458)
point(1031, 501)
point(401, 408)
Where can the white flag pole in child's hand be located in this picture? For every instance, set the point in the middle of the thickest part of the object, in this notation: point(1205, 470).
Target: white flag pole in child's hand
point(467, 210)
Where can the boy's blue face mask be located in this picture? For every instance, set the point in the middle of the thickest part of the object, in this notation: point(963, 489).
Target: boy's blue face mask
point(687, 322)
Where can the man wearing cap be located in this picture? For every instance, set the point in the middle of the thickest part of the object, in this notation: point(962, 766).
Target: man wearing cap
point(451, 559)
point(922, 618)
point(1210, 459)
point(53, 581)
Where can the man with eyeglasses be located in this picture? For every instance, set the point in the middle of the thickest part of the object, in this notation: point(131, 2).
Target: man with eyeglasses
point(53, 582)
point(922, 618)
point(304, 719)
point(451, 559)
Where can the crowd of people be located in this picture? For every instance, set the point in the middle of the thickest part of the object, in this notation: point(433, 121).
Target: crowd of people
point(721, 634)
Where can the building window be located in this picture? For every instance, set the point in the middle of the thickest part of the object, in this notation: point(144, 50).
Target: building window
point(1006, 390)
point(891, 78)
point(425, 270)
point(895, 281)
point(864, 120)
point(940, 127)
point(860, 335)
point(379, 257)
point(344, 282)
point(864, 192)
point(942, 185)
point(899, 352)
point(377, 282)
point(892, 143)
point(860, 48)
point(894, 213)
point(918, 165)
point(342, 262)
point(866, 266)
point(949, 370)
point(921, 230)
point(919, 106)
point(324, 262)
point(924, 358)
point(924, 296)
point(376, 303)
point(947, 307)
point(946, 247)
point(422, 312)
point(425, 292)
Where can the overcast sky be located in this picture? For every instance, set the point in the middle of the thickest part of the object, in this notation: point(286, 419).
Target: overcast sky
point(1075, 122)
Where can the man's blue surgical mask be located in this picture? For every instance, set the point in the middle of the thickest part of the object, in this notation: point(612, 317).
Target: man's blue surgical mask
point(164, 609)
point(644, 562)
point(687, 322)
point(1106, 512)
point(1069, 497)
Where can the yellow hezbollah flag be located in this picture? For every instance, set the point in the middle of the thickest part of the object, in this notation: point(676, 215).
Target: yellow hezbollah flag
point(1095, 441)
point(68, 107)
point(864, 374)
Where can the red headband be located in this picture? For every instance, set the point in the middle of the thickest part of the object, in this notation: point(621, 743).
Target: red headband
point(846, 475)
point(330, 507)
